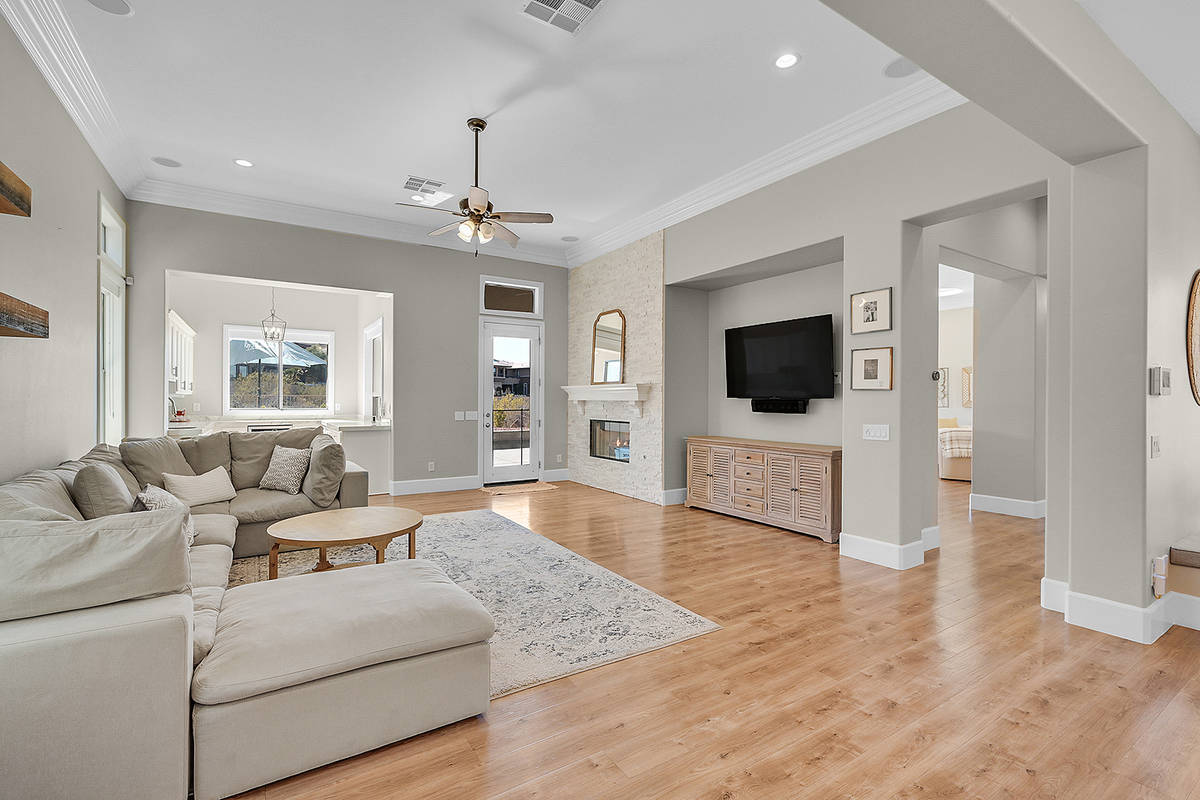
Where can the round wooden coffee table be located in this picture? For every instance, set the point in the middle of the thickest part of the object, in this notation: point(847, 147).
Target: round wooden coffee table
point(338, 527)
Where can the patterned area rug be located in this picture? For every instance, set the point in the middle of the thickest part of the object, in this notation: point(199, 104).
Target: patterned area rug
point(556, 612)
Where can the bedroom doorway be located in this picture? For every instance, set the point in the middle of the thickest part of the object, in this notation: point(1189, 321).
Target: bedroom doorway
point(956, 373)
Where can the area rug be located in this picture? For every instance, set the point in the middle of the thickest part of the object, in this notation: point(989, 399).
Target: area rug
point(520, 488)
point(556, 612)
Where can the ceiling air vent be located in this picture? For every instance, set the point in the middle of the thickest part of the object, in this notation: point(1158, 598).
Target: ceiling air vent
point(569, 15)
point(426, 191)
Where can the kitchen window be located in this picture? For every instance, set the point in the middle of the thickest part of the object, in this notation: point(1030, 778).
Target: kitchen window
point(292, 377)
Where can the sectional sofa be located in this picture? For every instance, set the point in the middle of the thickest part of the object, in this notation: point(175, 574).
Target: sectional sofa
point(123, 657)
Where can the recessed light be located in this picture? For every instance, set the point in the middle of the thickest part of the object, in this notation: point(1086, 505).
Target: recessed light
point(163, 161)
point(118, 7)
point(786, 60)
point(949, 292)
point(241, 162)
point(419, 198)
point(901, 68)
point(570, 238)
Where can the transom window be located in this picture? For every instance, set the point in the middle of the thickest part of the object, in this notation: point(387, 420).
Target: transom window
point(294, 376)
point(510, 297)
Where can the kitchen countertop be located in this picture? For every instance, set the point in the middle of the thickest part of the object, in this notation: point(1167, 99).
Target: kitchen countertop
point(202, 425)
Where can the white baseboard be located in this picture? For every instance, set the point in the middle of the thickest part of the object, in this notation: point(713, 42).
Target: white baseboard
point(674, 497)
point(556, 474)
point(1029, 509)
point(436, 485)
point(1054, 595)
point(885, 554)
point(931, 537)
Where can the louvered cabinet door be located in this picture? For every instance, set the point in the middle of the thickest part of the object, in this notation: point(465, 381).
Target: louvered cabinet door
point(781, 484)
point(720, 471)
point(699, 484)
point(812, 485)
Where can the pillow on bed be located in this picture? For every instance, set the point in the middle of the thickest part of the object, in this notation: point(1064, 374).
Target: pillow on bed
point(947, 422)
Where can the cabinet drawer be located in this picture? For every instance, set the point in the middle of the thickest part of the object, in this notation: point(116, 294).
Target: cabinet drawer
point(747, 473)
point(755, 457)
point(749, 489)
point(749, 504)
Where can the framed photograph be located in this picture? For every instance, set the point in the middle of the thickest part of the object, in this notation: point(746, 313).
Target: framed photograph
point(871, 312)
point(871, 368)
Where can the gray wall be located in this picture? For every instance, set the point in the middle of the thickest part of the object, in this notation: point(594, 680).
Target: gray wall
point(804, 293)
point(685, 381)
point(48, 394)
point(435, 336)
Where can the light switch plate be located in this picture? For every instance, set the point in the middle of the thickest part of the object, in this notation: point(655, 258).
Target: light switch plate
point(877, 432)
point(473, 415)
point(1155, 446)
point(459, 416)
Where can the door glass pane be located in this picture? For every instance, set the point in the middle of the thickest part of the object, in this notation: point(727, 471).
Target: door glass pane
point(305, 374)
point(253, 374)
point(510, 401)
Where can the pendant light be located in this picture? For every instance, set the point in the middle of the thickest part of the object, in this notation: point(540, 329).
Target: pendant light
point(274, 328)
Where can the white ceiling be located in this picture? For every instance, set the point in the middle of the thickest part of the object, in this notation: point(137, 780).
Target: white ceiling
point(951, 278)
point(1159, 36)
point(623, 127)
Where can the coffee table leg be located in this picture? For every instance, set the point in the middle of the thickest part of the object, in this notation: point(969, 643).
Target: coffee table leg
point(412, 544)
point(322, 561)
point(379, 548)
point(273, 562)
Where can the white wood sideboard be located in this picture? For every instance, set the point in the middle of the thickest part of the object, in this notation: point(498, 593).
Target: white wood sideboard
point(785, 484)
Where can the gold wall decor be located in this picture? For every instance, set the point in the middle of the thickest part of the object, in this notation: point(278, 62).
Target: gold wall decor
point(21, 319)
point(1193, 337)
point(15, 195)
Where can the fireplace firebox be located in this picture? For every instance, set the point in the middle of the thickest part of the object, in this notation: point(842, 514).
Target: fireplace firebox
point(610, 439)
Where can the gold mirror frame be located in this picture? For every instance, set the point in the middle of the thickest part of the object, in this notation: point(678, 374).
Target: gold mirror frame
point(1193, 337)
point(624, 331)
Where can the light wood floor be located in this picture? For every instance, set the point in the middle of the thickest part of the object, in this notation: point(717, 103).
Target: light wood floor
point(832, 678)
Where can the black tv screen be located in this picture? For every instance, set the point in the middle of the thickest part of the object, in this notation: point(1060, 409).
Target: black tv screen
point(792, 359)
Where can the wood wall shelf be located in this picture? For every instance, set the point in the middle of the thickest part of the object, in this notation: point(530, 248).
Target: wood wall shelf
point(633, 393)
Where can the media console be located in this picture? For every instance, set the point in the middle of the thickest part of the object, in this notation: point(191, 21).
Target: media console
point(785, 484)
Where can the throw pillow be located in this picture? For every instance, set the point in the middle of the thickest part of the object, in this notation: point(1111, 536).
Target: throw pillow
point(325, 470)
point(148, 459)
point(286, 471)
point(153, 498)
point(99, 491)
point(196, 490)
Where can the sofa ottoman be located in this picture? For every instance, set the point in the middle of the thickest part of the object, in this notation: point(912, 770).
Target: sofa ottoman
point(314, 668)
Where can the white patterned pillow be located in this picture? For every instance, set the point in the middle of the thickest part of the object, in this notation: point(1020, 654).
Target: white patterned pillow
point(213, 486)
point(152, 498)
point(286, 471)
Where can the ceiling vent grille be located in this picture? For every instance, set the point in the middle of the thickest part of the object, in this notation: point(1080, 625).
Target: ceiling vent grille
point(426, 191)
point(567, 15)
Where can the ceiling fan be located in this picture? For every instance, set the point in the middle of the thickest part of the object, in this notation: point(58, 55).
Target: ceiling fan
point(475, 211)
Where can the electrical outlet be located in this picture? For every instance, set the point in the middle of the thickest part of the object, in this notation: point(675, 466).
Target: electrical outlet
point(432, 466)
point(459, 416)
point(337, 407)
point(877, 433)
point(558, 458)
point(1155, 446)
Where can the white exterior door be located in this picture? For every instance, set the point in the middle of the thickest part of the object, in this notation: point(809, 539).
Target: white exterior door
point(510, 401)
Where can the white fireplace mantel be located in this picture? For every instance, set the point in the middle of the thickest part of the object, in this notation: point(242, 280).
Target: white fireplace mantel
point(633, 393)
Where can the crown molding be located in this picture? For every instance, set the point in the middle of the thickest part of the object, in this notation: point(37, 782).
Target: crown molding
point(44, 30)
point(919, 100)
point(197, 198)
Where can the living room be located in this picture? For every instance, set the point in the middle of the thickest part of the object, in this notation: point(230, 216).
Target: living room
point(328, 475)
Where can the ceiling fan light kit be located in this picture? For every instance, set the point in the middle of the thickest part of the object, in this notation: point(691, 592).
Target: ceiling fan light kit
point(479, 219)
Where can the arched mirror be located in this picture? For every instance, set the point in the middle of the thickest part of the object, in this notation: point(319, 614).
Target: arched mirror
point(608, 348)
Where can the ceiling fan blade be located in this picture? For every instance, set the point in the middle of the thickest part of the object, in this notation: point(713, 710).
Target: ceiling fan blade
point(477, 199)
point(453, 226)
point(505, 234)
point(522, 216)
point(430, 208)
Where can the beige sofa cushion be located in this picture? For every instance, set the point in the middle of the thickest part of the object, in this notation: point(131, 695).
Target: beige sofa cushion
point(206, 602)
point(212, 508)
point(251, 452)
point(98, 491)
point(274, 634)
point(210, 565)
point(326, 467)
point(215, 529)
point(11, 508)
point(41, 488)
point(206, 452)
point(107, 454)
point(148, 459)
point(268, 505)
point(47, 567)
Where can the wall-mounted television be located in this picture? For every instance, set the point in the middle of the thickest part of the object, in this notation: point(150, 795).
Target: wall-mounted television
point(789, 360)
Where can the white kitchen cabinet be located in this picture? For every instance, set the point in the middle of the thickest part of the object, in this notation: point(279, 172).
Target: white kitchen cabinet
point(181, 354)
